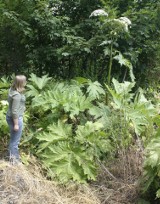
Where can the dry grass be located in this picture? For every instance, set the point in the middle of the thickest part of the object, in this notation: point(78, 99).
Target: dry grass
point(117, 183)
point(19, 185)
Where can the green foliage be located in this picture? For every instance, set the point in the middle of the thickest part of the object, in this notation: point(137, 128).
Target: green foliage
point(4, 86)
point(96, 141)
point(3, 123)
point(122, 61)
point(72, 156)
point(70, 143)
point(69, 127)
point(75, 123)
point(95, 89)
point(146, 31)
point(68, 98)
point(135, 109)
point(151, 175)
point(130, 115)
point(37, 84)
point(60, 38)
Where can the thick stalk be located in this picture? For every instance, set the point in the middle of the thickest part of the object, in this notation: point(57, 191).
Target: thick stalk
point(110, 64)
point(109, 68)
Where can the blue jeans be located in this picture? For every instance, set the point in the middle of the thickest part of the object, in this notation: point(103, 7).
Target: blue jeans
point(15, 137)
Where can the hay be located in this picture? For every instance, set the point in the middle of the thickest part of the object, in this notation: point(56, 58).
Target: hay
point(20, 185)
point(121, 185)
point(117, 183)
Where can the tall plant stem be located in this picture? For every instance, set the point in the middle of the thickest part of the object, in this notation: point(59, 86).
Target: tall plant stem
point(110, 68)
point(110, 63)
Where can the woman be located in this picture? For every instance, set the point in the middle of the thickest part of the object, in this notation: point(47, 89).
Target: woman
point(16, 100)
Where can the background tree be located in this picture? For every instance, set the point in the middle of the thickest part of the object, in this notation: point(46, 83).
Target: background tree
point(61, 39)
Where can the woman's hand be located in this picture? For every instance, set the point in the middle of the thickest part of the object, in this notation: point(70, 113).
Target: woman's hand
point(16, 127)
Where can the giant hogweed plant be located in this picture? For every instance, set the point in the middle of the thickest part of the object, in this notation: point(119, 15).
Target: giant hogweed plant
point(151, 175)
point(64, 99)
point(71, 143)
point(134, 111)
point(77, 128)
point(114, 29)
point(72, 156)
point(37, 85)
point(150, 180)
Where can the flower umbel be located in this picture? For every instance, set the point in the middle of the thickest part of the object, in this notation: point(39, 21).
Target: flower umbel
point(99, 12)
point(124, 21)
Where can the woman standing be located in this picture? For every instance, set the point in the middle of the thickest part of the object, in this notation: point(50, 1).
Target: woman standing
point(16, 100)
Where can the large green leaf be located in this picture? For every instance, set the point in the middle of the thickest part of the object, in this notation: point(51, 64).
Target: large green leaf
point(123, 61)
point(95, 139)
point(69, 162)
point(134, 108)
point(55, 132)
point(151, 172)
point(38, 84)
point(72, 155)
point(95, 89)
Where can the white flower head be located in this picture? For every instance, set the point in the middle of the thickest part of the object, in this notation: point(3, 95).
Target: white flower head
point(99, 12)
point(137, 1)
point(4, 103)
point(124, 21)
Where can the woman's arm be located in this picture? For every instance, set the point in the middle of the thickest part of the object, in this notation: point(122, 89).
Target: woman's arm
point(15, 110)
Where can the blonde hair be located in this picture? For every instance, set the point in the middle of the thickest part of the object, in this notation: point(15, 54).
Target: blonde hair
point(19, 83)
